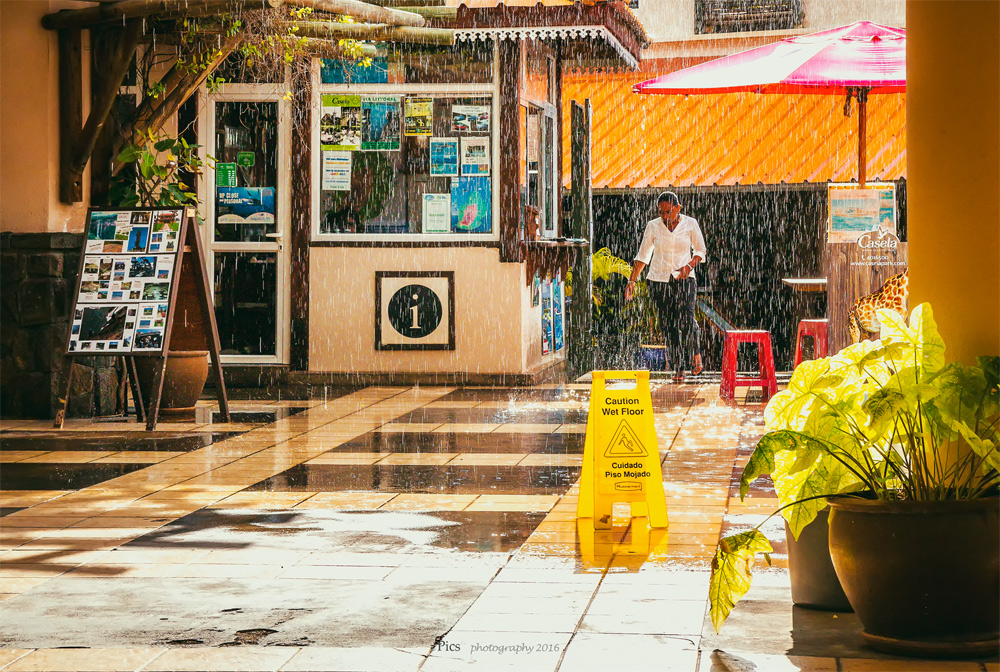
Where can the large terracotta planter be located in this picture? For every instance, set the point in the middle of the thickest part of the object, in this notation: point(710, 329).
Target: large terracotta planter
point(184, 378)
point(923, 577)
point(814, 581)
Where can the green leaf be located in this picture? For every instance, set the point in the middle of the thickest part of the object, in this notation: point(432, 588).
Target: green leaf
point(882, 408)
point(128, 154)
point(991, 371)
point(164, 144)
point(731, 572)
point(762, 458)
point(930, 345)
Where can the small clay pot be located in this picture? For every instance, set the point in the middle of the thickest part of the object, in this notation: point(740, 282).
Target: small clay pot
point(184, 378)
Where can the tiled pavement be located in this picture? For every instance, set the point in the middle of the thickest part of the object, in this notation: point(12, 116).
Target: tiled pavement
point(388, 529)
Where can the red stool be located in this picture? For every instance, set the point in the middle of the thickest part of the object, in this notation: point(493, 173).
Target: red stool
point(816, 329)
point(765, 355)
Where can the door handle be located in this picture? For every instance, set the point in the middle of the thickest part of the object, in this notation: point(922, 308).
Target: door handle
point(278, 236)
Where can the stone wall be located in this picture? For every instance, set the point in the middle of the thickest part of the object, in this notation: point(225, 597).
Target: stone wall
point(37, 280)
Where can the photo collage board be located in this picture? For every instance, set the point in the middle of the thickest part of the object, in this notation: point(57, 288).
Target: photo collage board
point(128, 272)
point(446, 141)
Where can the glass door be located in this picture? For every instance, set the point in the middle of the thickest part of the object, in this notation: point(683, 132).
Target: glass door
point(247, 215)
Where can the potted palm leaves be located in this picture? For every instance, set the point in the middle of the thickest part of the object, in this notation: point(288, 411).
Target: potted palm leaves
point(906, 450)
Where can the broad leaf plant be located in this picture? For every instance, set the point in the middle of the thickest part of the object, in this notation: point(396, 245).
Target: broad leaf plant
point(886, 419)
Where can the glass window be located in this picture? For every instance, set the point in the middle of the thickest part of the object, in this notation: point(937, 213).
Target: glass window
point(405, 163)
point(246, 171)
point(466, 63)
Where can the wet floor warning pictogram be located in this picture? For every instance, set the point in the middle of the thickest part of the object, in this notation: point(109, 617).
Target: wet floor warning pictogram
point(625, 443)
point(621, 461)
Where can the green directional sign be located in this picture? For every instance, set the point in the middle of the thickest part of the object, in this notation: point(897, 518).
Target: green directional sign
point(246, 159)
point(225, 174)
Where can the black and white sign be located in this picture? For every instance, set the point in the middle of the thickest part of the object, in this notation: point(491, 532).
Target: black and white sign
point(414, 310)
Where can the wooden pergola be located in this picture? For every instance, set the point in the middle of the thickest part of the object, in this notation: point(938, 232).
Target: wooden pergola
point(124, 24)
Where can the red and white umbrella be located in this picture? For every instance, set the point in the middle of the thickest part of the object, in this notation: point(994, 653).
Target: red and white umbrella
point(853, 60)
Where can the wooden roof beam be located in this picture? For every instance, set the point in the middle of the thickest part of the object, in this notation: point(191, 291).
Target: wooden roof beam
point(360, 10)
point(137, 9)
point(373, 32)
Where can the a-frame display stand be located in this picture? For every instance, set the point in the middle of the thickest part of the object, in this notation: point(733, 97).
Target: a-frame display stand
point(152, 266)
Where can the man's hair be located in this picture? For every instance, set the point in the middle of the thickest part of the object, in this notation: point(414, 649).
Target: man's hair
point(668, 197)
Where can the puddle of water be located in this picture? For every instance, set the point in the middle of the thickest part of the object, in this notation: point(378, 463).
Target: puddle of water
point(110, 441)
point(445, 442)
point(37, 476)
point(422, 479)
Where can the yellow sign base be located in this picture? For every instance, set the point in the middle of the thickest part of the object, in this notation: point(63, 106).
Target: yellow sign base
point(621, 457)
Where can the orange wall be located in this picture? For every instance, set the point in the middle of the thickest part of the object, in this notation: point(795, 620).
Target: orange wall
point(29, 121)
point(953, 190)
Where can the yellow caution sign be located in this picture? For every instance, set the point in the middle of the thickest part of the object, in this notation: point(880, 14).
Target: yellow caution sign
point(621, 459)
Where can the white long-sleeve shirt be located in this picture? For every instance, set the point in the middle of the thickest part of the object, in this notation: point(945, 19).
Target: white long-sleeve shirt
point(674, 249)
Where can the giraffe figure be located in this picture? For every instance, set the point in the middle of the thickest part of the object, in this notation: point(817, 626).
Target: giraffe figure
point(862, 322)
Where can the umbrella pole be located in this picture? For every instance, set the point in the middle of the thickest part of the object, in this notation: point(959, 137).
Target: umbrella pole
point(862, 95)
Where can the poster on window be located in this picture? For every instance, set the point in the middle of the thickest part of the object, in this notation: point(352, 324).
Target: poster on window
point(336, 171)
point(340, 123)
point(475, 156)
point(855, 211)
point(437, 213)
point(444, 157)
point(245, 205)
point(470, 118)
point(419, 116)
point(557, 314)
point(380, 123)
point(546, 315)
point(470, 205)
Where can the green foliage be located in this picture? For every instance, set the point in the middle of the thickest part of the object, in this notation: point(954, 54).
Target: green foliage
point(731, 571)
point(156, 175)
point(887, 420)
point(611, 313)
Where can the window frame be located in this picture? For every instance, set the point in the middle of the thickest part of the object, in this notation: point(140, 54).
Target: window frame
point(433, 90)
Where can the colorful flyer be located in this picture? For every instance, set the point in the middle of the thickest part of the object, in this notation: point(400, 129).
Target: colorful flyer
point(380, 123)
point(245, 205)
point(444, 157)
point(471, 205)
point(470, 118)
point(437, 213)
point(225, 175)
point(475, 156)
point(336, 171)
point(557, 313)
point(419, 116)
point(340, 123)
point(546, 316)
point(855, 211)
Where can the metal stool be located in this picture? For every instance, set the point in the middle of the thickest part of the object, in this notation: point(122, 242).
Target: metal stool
point(818, 330)
point(730, 380)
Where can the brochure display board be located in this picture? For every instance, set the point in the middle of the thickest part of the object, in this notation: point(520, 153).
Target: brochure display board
point(130, 286)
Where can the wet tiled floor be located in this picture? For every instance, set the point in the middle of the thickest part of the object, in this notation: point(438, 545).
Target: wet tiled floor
point(390, 529)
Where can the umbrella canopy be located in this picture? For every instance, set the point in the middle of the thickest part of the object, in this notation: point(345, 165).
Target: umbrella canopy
point(855, 60)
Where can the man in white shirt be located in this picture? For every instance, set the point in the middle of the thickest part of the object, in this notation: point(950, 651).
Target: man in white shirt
point(679, 247)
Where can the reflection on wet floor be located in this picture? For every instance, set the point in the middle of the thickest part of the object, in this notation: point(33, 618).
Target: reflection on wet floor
point(110, 441)
point(207, 414)
point(519, 395)
point(447, 442)
point(479, 479)
point(22, 476)
point(494, 416)
point(313, 530)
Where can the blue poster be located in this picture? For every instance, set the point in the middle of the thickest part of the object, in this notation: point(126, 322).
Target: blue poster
point(444, 156)
point(244, 205)
point(546, 316)
point(471, 205)
point(557, 313)
point(336, 71)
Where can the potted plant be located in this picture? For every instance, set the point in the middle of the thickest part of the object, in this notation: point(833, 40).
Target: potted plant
point(906, 450)
point(630, 331)
point(157, 175)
